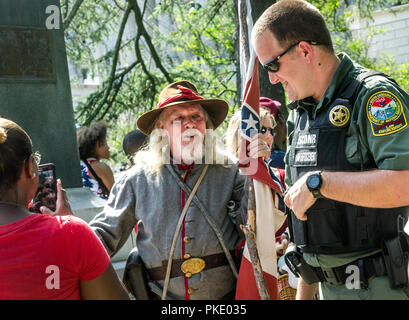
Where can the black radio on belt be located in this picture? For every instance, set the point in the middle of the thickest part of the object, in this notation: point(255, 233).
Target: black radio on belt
point(395, 253)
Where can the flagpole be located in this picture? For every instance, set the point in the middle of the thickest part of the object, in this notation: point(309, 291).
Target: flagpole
point(250, 228)
point(250, 233)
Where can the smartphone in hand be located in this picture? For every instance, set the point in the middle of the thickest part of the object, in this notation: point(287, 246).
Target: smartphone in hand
point(46, 194)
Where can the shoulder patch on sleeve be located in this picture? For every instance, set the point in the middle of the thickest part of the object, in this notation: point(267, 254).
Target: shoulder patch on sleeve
point(385, 113)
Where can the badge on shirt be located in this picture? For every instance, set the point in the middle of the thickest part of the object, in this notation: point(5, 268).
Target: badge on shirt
point(385, 113)
point(339, 115)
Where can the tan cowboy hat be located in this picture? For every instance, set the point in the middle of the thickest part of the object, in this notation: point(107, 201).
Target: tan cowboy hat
point(183, 93)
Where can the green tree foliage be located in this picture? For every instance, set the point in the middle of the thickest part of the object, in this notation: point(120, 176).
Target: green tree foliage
point(173, 40)
point(178, 39)
point(337, 14)
point(193, 43)
point(203, 40)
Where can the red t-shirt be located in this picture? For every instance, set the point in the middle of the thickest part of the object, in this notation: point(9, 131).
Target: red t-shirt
point(43, 257)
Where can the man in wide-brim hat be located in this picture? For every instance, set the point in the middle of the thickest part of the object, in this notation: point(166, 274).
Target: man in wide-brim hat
point(183, 116)
point(154, 192)
point(183, 93)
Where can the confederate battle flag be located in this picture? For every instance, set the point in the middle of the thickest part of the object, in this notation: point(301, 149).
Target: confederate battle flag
point(268, 188)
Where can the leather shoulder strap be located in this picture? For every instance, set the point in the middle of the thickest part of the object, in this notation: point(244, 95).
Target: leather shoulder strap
point(178, 226)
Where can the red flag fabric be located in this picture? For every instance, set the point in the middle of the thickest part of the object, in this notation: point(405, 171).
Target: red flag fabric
point(246, 283)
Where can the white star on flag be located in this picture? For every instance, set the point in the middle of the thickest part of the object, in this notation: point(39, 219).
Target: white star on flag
point(251, 123)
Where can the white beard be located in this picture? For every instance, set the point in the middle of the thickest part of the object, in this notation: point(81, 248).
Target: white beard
point(194, 150)
point(192, 153)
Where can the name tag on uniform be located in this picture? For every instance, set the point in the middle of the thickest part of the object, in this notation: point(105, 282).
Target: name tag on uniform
point(306, 139)
point(303, 157)
point(304, 149)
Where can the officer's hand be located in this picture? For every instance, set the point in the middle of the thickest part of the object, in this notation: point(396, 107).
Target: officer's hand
point(299, 199)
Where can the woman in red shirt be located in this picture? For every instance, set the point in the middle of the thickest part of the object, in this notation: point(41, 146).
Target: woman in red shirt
point(43, 256)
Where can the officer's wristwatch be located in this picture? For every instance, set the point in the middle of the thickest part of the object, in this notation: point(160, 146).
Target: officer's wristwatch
point(314, 182)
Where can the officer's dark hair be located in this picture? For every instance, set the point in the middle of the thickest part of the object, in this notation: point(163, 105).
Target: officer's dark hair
point(87, 138)
point(15, 150)
point(133, 142)
point(291, 21)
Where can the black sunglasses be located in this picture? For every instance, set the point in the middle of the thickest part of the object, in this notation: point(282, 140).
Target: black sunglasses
point(273, 65)
point(264, 129)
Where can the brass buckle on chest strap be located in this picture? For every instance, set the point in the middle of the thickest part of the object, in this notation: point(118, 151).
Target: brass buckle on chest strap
point(192, 266)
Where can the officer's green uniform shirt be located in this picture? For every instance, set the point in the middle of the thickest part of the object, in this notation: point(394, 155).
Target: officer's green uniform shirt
point(384, 137)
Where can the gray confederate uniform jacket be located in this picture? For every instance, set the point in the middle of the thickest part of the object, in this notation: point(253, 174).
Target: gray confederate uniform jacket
point(154, 202)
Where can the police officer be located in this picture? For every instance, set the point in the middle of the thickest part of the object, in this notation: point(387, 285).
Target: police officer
point(347, 166)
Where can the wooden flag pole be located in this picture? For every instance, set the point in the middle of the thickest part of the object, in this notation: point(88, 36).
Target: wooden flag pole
point(250, 232)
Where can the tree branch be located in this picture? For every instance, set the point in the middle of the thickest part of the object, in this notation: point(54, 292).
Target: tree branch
point(72, 14)
point(95, 96)
point(144, 33)
point(117, 87)
point(145, 69)
point(114, 64)
point(92, 97)
point(116, 3)
point(244, 38)
point(250, 232)
point(216, 10)
point(109, 103)
point(111, 52)
point(64, 9)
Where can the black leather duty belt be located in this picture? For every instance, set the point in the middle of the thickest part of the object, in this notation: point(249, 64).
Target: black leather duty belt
point(368, 267)
point(182, 267)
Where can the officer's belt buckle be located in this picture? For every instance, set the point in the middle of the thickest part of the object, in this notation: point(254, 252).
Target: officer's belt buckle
point(192, 266)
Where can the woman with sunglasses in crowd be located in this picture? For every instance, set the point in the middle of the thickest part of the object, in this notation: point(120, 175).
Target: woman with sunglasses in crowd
point(43, 256)
point(260, 145)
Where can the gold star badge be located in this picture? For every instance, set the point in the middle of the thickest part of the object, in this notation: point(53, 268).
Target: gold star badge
point(339, 115)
